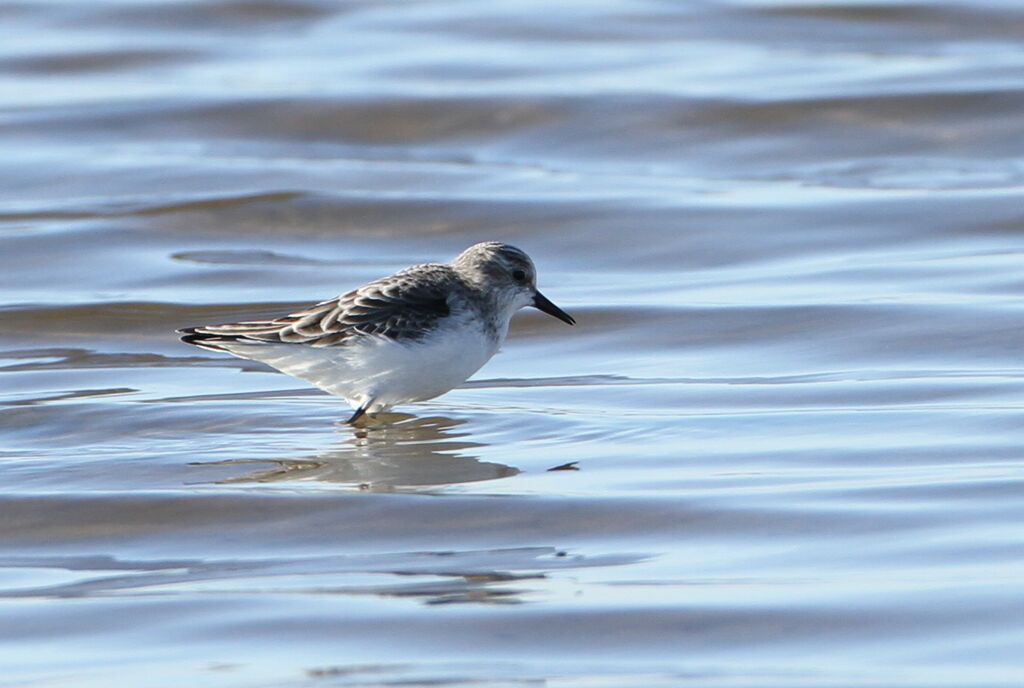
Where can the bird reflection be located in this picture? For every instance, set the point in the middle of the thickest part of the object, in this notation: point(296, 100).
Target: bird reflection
point(393, 452)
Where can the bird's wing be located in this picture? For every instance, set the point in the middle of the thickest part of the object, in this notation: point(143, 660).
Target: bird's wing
point(406, 305)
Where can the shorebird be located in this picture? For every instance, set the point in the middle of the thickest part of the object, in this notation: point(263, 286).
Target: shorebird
point(407, 337)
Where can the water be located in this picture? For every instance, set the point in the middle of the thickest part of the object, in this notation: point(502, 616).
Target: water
point(791, 233)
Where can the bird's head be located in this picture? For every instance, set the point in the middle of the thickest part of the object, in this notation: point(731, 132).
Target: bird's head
point(509, 275)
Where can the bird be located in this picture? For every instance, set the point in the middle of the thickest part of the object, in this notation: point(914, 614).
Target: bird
point(407, 337)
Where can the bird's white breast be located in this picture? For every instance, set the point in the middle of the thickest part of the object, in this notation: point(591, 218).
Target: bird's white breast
point(384, 372)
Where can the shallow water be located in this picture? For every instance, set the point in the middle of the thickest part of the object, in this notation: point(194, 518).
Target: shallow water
point(791, 233)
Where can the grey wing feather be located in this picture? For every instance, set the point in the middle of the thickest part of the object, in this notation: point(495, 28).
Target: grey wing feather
point(406, 305)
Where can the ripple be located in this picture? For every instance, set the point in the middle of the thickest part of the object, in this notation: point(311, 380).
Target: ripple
point(97, 61)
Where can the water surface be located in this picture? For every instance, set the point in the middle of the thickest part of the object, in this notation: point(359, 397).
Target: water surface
point(791, 233)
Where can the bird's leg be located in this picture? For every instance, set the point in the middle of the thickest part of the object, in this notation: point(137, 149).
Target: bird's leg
point(360, 412)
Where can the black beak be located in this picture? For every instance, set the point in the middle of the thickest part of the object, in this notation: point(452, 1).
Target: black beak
point(541, 303)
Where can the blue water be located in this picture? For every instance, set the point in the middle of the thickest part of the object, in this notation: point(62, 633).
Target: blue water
point(792, 414)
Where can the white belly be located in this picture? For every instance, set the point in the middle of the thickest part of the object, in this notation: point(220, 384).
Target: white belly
point(379, 371)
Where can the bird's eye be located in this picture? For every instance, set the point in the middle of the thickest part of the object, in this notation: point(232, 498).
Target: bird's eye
point(518, 275)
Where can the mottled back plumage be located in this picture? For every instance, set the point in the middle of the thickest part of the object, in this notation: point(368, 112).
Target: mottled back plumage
point(406, 305)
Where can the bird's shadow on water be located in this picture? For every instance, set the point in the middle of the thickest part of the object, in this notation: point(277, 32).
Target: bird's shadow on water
point(389, 452)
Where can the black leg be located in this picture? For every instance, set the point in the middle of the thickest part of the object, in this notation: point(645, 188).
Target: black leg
point(360, 412)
